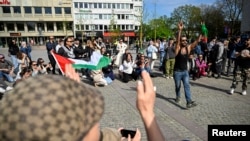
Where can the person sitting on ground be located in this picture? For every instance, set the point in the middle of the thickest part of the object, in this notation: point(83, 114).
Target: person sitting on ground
point(35, 69)
point(201, 66)
point(4, 87)
point(24, 74)
point(23, 61)
point(98, 78)
point(44, 68)
point(6, 69)
point(84, 120)
point(128, 69)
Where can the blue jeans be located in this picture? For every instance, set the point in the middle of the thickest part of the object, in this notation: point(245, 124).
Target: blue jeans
point(184, 77)
point(162, 54)
point(7, 76)
point(14, 60)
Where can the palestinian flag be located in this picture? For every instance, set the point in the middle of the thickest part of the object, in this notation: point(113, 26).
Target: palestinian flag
point(97, 61)
point(204, 32)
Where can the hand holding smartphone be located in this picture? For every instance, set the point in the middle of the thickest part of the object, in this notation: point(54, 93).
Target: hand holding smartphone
point(126, 132)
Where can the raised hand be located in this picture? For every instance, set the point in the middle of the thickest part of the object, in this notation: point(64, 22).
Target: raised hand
point(180, 25)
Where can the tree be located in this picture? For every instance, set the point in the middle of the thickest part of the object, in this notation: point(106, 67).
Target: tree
point(214, 20)
point(191, 17)
point(232, 11)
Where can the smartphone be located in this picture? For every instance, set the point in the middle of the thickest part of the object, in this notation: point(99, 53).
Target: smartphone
point(126, 132)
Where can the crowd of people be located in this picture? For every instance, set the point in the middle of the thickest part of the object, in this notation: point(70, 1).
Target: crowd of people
point(179, 60)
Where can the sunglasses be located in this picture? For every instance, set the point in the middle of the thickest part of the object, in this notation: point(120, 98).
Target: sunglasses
point(70, 41)
point(34, 64)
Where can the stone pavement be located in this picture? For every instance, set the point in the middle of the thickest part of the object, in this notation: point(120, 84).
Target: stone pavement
point(215, 105)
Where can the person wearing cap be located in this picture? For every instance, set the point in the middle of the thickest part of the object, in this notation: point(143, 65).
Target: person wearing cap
point(6, 69)
point(67, 110)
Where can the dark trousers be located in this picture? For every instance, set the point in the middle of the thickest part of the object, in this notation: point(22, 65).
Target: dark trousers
point(127, 77)
point(53, 63)
point(238, 75)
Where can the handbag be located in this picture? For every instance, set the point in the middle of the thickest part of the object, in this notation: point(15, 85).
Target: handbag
point(154, 55)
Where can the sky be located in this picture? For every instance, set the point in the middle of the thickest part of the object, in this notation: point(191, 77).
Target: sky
point(166, 7)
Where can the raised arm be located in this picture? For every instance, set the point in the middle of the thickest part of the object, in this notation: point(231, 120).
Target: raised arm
point(180, 28)
point(194, 44)
point(145, 104)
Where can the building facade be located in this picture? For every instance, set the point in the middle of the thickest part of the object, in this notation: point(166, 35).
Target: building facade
point(34, 21)
point(107, 18)
point(245, 23)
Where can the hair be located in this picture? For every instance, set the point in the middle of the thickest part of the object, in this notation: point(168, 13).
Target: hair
point(25, 70)
point(66, 39)
point(19, 55)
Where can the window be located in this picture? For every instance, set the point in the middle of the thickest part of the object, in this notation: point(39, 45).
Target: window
point(40, 26)
point(69, 25)
point(131, 6)
point(80, 5)
point(123, 27)
point(105, 5)
point(95, 5)
point(87, 27)
point(47, 10)
point(10, 26)
point(122, 5)
point(67, 10)
point(85, 5)
point(82, 27)
point(96, 27)
point(31, 26)
point(17, 9)
point(127, 27)
point(99, 5)
point(100, 16)
point(109, 5)
point(59, 26)
point(113, 5)
point(58, 10)
point(101, 27)
point(50, 26)
point(6, 9)
point(77, 27)
point(1, 26)
point(27, 10)
point(38, 10)
point(118, 6)
point(20, 26)
point(76, 4)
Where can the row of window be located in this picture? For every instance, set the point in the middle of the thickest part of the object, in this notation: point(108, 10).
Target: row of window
point(103, 5)
point(41, 26)
point(37, 10)
point(89, 16)
point(32, 26)
point(105, 27)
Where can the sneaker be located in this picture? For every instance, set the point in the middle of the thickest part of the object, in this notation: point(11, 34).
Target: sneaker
point(232, 91)
point(164, 75)
point(177, 100)
point(244, 92)
point(167, 77)
point(171, 77)
point(191, 104)
point(9, 88)
point(2, 90)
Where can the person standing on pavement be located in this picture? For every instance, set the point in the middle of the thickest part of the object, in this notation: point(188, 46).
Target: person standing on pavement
point(50, 46)
point(169, 59)
point(13, 50)
point(182, 52)
point(243, 72)
point(26, 49)
point(67, 50)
